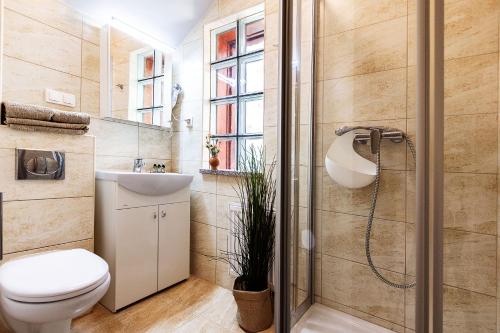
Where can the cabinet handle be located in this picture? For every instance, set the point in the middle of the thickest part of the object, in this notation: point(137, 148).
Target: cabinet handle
point(163, 213)
point(155, 215)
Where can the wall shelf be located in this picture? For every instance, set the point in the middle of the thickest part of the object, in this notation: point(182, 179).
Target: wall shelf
point(221, 172)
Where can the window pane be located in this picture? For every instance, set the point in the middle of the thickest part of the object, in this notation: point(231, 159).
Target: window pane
point(157, 116)
point(223, 118)
point(252, 74)
point(145, 94)
point(252, 34)
point(159, 92)
point(225, 42)
point(159, 63)
point(227, 155)
point(224, 79)
point(145, 65)
point(246, 143)
point(252, 115)
point(146, 116)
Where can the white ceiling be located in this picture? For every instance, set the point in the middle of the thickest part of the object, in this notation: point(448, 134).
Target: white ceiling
point(167, 20)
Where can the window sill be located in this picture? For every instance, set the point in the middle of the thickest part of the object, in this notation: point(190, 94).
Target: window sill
point(221, 172)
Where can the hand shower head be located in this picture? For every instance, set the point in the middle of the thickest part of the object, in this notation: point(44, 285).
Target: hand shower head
point(345, 129)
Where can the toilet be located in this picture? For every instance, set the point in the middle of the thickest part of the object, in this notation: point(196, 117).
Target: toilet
point(42, 293)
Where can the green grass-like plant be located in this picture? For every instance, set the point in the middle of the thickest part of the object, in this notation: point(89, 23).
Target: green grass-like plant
point(254, 229)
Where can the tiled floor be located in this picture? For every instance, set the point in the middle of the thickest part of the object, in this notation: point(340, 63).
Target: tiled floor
point(189, 307)
point(192, 306)
point(322, 319)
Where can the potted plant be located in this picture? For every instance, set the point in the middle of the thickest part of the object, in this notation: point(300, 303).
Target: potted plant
point(213, 150)
point(254, 236)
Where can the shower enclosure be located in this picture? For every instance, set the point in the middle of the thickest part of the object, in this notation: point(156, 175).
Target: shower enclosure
point(389, 162)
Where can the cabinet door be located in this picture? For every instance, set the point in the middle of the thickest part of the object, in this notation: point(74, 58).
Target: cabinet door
point(136, 254)
point(173, 239)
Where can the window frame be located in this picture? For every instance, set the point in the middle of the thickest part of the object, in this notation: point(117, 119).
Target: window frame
point(239, 136)
point(154, 78)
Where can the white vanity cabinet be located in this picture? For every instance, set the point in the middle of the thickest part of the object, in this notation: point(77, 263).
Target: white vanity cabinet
point(136, 264)
point(173, 251)
point(144, 239)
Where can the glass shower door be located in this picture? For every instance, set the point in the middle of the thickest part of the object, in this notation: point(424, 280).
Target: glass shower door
point(431, 190)
point(302, 240)
point(470, 243)
point(300, 209)
point(366, 82)
point(360, 220)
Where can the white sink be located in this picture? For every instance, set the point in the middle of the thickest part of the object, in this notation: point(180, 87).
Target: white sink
point(147, 183)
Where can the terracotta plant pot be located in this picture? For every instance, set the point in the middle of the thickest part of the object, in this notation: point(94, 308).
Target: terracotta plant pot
point(255, 308)
point(214, 162)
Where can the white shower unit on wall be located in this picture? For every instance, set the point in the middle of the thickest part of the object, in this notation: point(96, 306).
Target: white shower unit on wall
point(142, 231)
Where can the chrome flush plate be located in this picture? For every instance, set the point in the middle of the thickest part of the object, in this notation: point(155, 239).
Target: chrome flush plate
point(39, 164)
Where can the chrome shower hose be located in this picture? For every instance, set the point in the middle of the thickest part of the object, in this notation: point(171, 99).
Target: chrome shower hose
point(369, 226)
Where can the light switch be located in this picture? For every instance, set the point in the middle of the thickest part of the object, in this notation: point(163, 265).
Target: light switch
point(69, 100)
point(59, 97)
point(53, 96)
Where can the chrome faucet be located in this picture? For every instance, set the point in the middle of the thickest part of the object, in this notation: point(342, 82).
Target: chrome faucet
point(382, 129)
point(376, 133)
point(138, 165)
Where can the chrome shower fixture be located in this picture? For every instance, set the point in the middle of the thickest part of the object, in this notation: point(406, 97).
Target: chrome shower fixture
point(393, 134)
point(346, 167)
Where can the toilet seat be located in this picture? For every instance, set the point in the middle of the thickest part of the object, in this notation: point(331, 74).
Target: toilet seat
point(52, 276)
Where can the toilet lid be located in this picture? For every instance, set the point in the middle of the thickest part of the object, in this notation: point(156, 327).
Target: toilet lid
point(52, 276)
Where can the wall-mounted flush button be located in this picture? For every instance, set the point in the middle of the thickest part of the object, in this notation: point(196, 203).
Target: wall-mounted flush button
point(39, 164)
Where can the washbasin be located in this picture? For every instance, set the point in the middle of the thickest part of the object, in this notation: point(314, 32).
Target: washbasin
point(147, 183)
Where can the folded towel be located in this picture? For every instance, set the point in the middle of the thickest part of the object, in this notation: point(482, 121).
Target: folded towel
point(56, 130)
point(16, 110)
point(32, 122)
point(27, 111)
point(71, 117)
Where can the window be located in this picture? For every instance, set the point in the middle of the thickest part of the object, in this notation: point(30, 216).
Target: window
point(236, 87)
point(150, 86)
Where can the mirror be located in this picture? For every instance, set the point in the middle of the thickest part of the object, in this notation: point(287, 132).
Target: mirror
point(137, 82)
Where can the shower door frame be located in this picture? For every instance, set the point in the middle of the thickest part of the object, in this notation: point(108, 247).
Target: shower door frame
point(429, 169)
point(430, 166)
point(282, 246)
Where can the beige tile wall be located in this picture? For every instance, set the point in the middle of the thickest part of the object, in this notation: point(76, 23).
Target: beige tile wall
point(47, 44)
point(367, 76)
point(211, 195)
point(42, 215)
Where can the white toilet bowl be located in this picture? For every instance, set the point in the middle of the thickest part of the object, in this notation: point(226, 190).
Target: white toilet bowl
point(42, 293)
